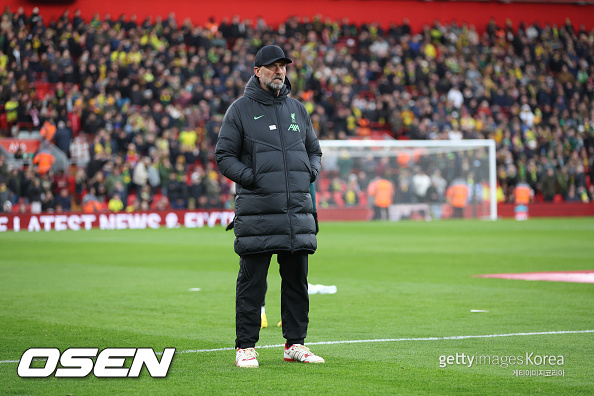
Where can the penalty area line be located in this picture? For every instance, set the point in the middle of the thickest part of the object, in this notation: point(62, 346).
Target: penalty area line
point(464, 337)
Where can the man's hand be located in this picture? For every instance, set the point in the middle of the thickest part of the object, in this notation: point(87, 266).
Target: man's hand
point(231, 225)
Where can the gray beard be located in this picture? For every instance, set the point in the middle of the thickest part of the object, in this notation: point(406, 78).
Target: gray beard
point(273, 86)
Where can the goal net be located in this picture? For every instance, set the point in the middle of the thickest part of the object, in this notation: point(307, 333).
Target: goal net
point(414, 179)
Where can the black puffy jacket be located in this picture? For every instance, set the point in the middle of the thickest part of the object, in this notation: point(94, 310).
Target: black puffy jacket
point(267, 146)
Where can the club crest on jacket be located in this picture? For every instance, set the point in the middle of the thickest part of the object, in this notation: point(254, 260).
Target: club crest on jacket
point(294, 126)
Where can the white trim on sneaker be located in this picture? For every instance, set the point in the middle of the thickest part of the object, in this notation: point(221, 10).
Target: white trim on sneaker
point(246, 358)
point(301, 353)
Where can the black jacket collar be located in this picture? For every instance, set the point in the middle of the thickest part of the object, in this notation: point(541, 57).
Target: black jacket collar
point(254, 90)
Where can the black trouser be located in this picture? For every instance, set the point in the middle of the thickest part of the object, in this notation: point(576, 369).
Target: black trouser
point(251, 290)
point(380, 213)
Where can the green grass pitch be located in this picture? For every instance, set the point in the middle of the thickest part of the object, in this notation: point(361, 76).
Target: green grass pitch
point(407, 280)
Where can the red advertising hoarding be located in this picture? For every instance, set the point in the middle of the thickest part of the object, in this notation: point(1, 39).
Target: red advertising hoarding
point(27, 222)
point(26, 145)
point(113, 221)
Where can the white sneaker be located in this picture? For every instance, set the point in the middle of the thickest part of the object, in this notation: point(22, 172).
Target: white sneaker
point(246, 358)
point(301, 353)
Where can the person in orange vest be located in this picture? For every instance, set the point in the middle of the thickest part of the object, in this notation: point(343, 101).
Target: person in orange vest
point(457, 196)
point(48, 130)
point(382, 192)
point(44, 162)
point(90, 202)
point(523, 195)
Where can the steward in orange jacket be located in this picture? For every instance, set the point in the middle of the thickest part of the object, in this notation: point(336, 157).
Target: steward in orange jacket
point(457, 196)
point(48, 130)
point(382, 192)
point(44, 162)
point(523, 194)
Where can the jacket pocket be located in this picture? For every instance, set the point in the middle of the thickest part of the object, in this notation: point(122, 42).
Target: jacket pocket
point(254, 164)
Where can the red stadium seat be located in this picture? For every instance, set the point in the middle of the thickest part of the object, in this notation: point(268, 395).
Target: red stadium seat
point(42, 89)
point(131, 199)
point(3, 122)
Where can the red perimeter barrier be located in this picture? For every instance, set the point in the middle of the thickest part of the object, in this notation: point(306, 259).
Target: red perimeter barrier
point(565, 209)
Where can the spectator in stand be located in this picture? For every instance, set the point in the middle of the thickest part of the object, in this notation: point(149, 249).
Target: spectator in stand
point(4, 195)
point(48, 202)
point(80, 185)
point(195, 191)
point(145, 194)
point(134, 206)
point(165, 169)
point(145, 206)
point(97, 182)
point(15, 183)
point(34, 193)
point(63, 137)
point(583, 194)
point(548, 185)
point(154, 180)
point(63, 201)
point(59, 182)
point(176, 192)
point(4, 169)
point(112, 179)
point(140, 175)
point(80, 153)
point(115, 203)
point(90, 202)
point(11, 107)
point(527, 88)
point(212, 190)
point(562, 177)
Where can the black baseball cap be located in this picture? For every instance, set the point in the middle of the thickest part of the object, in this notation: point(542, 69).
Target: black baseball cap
point(270, 54)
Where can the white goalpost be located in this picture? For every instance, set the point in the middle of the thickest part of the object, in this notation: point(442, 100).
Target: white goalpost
point(430, 179)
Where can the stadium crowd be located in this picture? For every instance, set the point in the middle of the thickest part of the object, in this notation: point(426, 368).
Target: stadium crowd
point(137, 105)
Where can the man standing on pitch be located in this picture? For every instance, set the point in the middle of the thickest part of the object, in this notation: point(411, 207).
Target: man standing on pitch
point(267, 146)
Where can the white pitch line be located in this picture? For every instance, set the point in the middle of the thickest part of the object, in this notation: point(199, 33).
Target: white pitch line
point(402, 339)
point(383, 340)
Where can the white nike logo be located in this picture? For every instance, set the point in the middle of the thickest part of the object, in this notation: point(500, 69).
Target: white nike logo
point(255, 118)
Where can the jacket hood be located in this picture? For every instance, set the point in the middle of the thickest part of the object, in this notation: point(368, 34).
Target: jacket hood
point(254, 91)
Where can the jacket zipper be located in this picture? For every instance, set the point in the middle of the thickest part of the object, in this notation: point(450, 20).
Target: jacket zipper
point(276, 104)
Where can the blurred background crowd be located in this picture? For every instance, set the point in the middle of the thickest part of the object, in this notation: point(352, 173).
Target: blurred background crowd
point(136, 106)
